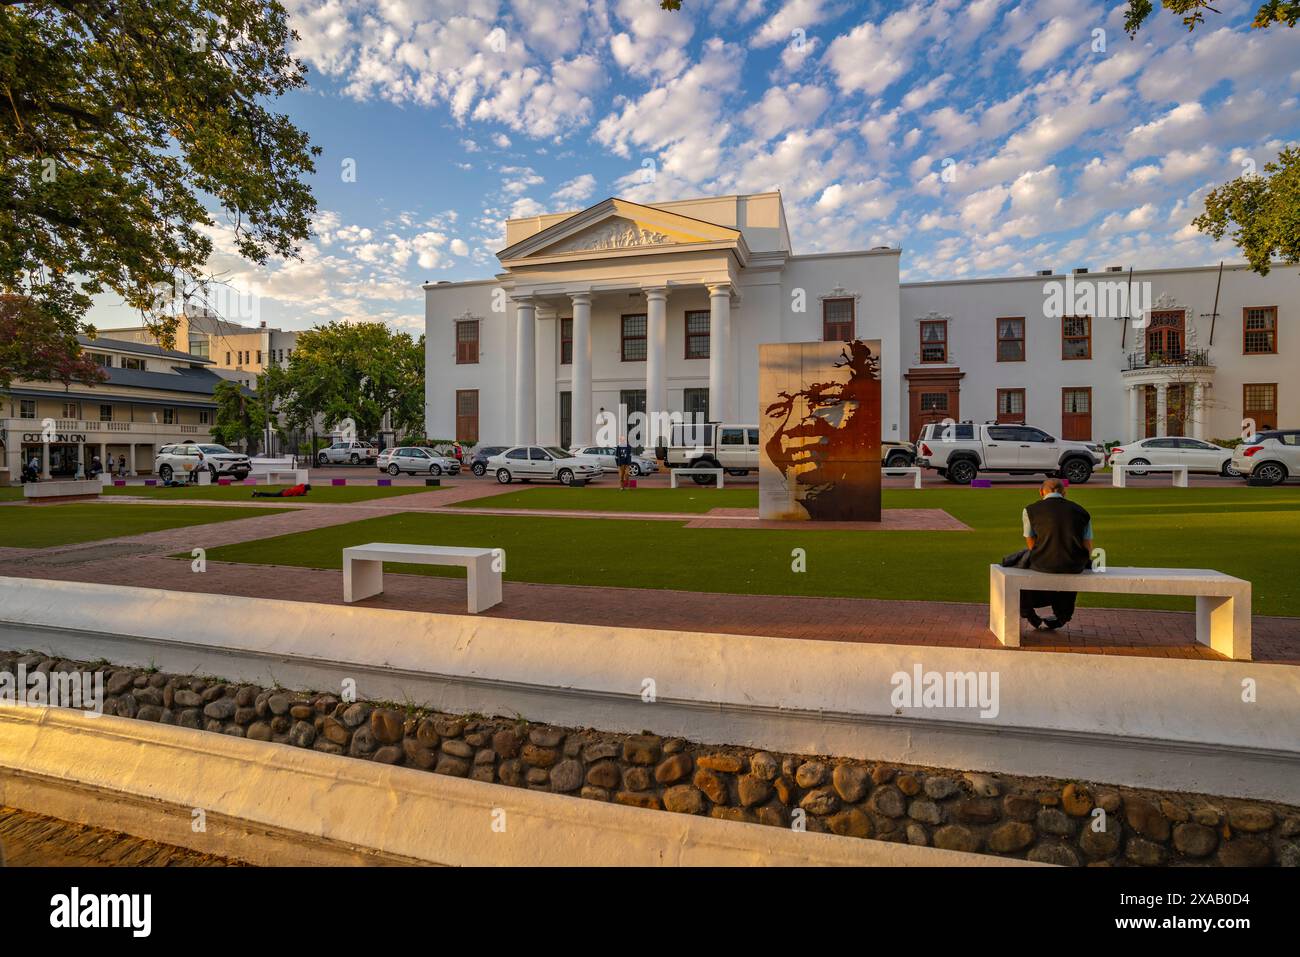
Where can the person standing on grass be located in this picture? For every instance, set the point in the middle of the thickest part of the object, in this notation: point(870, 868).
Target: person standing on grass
point(1059, 535)
point(623, 459)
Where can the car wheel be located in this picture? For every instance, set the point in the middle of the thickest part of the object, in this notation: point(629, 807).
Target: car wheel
point(963, 471)
point(165, 473)
point(636, 470)
point(897, 460)
point(394, 470)
point(239, 476)
point(503, 476)
point(565, 476)
point(1228, 471)
point(322, 460)
point(435, 469)
point(354, 459)
point(1135, 470)
point(1274, 473)
point(1077, 471)
point(479, 469)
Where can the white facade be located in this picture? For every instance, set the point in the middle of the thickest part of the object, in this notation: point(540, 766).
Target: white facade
point(592, 308)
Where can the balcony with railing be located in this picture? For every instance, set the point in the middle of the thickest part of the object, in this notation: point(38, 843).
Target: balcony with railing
point(1178, 359)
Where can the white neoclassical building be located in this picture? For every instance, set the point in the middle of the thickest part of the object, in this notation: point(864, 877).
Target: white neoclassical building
point(662, 308)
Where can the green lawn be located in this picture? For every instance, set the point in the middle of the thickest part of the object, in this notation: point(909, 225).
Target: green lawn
point(244, 493)
point(10, 492)
point(40, 526)
point(690, 498)
point(1251, 533)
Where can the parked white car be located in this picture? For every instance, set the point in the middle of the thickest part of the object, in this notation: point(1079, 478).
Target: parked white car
point(183, 457)
point(961, 451)
point(531, 463)
point(1196, 454)
point(1270, 456)
point(603, 455)
point(412, 459)
point(347, 453)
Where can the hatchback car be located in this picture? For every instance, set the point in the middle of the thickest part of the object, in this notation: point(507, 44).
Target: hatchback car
point(1271, 456)
point(530, 463)
point(412, 459)
point(603, 455)
point(183, 457)
point(1162, 452)
point(478, 461)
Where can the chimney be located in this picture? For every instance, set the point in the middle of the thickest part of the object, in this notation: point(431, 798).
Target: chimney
point(1114, 269)
point(1044, 272)
point(1080, 270)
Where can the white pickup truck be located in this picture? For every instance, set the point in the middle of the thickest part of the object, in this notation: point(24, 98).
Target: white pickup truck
point(735, 448)
point(959, 451)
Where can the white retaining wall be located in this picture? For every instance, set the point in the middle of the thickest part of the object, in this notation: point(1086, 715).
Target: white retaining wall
point(1144, 722)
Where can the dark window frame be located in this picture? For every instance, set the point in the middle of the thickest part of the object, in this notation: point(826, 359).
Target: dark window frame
point(1246, 333)
point(467, 349)
point(943, 324)
point(1084, 338)
point(1000, 339)
point(695, 337)
point(852, 323)
point(624, 338)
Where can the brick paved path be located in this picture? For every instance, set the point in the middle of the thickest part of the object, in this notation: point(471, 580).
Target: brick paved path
point(949, 624)
point(34, 840)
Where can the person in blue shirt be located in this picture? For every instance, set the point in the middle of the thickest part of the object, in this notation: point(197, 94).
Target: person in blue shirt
point(623, 459)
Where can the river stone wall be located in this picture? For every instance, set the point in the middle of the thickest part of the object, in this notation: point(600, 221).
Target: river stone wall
point(1070, 823)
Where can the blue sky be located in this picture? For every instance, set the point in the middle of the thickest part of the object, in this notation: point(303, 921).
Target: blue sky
point(1066, 143)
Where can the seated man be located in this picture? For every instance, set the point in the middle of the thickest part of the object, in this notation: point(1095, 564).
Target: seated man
point(1059, 535)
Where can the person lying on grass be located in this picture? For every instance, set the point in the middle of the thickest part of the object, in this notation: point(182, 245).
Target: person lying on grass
point(285, 492)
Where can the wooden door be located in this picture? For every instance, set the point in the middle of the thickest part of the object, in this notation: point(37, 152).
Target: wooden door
point(1076, 414)
point(467, 415)
point(934, 395)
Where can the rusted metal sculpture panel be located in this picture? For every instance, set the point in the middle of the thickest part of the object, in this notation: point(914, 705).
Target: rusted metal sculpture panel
point(819, 415)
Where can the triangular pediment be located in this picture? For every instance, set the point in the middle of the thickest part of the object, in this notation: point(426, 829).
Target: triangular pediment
point(617, 226)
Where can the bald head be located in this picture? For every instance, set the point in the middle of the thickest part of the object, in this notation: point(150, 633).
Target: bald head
point(1052, 486)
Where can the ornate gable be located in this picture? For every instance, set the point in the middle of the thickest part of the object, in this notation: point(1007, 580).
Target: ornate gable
point(617, 225)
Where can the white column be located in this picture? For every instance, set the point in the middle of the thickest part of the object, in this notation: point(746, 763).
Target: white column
point(131, 463)
point(1162, 409)
point(81, 460)
point(719, 340)
point(656, 361)
point(525, 372)
point(45, 460)
point(1134, 411)
point(581, 404)
point(1197, 410)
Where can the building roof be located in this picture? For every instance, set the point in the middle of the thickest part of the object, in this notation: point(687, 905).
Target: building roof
point(138, 348)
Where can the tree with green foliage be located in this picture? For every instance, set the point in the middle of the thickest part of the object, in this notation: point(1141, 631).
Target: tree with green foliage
point(128, 128)
point(1261, 211)
point(350, 370)
point(240, 416)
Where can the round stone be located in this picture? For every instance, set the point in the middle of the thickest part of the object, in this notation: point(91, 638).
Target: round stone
point(386, 726)
point(888, 801)
point(455, 767)
point(909, 784)
point(223, 709)
point(684, 799)
point(955, 837)
point(713, 784)
point(983, 785)
point(727, 763)
point(1099, 845)
point(820, 802)
point(850, 782)
point(389, 754)
point(1195, 840)
point(810, 774)
point(1054, 821)
point(604, 774)
point(533, 755)
point(505, 743)
point(1251, 818)
point(566, 776)
point(1076, 800)
point(1144, 853)
point(925, 811)
point(764, 765)
point(546, 737)
point(1145, 818)
point(302, 734)
point(752, 790)
point(850, 822)
point(939, 787)
point(1245, 852)
point(1011, 837)
point(673, 768)
point(642, 749)
point(457, 748)
point(1062, 855)
point(636, 778)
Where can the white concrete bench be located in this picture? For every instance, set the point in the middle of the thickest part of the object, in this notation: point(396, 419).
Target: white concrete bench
point(363, 569)
point(1222, 602)
point(911, 470)
point(46, 492)
point(260, 466)
point(294, 476)
point(1119, 473)
point(673, 473)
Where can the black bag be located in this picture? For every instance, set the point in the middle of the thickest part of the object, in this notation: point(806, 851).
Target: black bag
point(1018, 559)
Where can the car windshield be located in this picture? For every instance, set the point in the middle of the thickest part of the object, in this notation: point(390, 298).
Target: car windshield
point(216, 450)
point(558, 453)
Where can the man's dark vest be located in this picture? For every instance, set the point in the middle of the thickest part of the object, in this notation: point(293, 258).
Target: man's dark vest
point(1058, 526)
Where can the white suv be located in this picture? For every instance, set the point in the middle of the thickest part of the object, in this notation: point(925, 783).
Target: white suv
point(183, 457)
point(1270, 457)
